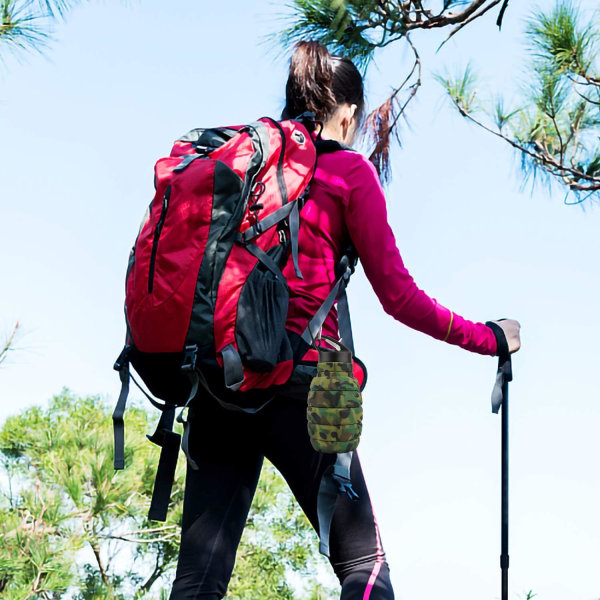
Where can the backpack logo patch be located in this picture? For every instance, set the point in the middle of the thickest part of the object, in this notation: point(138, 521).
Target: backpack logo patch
point(299, 137)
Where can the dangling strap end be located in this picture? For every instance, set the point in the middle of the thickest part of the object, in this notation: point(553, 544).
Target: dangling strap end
point(117, 417)
point(324, 548)
point(185, 440)
point(165, 475)
point(294, 231)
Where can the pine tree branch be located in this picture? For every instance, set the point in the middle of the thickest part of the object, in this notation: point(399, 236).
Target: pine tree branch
point(381, 124)
point(587, 98)
point(158, 571)
point(35, 590)
point(470, 19)
point(96, 550)
point(123, 538)
point(443, 20)
point(9, 344)
point(152, 530)
point(541, 156)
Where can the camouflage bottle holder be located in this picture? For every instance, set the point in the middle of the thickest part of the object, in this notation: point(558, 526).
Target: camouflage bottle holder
point(334, 402)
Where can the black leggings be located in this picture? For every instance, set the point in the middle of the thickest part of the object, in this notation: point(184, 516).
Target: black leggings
point(229, 448)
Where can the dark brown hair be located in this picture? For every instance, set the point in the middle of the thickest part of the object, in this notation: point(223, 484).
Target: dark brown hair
point(319, 82)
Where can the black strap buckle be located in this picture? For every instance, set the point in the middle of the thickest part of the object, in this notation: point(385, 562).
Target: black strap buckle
point(309, 121)
point(344, 484)
point(123, 358)
point(190, 355)
point(347, 264)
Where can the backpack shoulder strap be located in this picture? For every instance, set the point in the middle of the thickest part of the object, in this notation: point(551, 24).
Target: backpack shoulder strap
point(344, 270)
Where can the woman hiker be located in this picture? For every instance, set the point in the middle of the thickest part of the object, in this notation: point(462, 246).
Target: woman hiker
point(346, 204)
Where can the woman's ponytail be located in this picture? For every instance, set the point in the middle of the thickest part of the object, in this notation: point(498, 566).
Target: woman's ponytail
point(309, 85)
point(319, 82)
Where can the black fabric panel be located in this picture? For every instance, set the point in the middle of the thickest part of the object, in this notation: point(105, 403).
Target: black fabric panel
point(298, 345)
point(226, 200)
point(161, 373)
point(230, 195)
point(329, 146)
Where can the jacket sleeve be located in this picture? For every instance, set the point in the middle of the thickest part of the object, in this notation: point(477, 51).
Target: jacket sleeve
point(365, 215)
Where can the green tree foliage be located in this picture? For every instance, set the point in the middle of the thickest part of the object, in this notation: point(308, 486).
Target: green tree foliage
point(358, 28)
point(556, 124)
point(70, 526)
point(64, 500)
point(27, 24)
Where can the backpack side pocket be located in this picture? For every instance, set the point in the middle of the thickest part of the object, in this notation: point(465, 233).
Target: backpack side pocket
point(262, 313)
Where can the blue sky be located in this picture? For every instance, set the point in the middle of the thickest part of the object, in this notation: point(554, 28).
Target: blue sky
point(80, 131)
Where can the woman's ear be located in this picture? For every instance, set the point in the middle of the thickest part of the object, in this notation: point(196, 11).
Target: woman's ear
point(347, 122)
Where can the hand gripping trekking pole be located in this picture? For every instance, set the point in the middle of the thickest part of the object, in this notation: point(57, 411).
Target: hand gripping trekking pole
point(500, 399)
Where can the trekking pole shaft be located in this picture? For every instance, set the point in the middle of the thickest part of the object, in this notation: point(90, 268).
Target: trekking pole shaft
point(504, 559)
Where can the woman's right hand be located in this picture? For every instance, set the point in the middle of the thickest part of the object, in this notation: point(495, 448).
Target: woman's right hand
point(511, 329)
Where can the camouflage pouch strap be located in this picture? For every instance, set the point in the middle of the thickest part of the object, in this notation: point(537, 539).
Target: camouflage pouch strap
point(335, 481)
point(343, 271)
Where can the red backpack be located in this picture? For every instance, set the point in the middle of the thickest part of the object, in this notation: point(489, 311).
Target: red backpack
point(206, 301)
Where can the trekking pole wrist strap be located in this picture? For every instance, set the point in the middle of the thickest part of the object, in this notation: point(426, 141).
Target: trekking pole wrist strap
point(504, 373)
point(501, 341)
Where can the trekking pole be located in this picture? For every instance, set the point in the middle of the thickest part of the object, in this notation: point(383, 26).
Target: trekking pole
point(500, 399)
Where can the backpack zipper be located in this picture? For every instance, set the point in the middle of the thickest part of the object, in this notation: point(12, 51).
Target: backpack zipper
point(157, 230)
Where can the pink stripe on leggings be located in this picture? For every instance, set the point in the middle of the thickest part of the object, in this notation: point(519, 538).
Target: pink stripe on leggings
point(378, 563)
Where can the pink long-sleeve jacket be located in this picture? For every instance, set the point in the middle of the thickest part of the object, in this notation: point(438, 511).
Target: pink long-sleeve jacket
point(347, 203)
